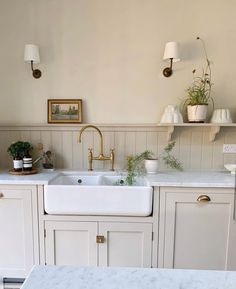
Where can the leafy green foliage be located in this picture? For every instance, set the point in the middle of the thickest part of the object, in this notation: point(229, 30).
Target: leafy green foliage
point(27, 147)
point(135, 166)
point(19, 148)
point(169, 159)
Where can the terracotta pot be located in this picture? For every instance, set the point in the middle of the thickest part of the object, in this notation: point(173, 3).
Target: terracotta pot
point(197, 113)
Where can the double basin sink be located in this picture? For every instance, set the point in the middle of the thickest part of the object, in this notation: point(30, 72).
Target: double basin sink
point(85, 193)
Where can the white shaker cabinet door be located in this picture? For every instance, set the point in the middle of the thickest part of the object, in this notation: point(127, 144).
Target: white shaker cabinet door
point(197, 229)
point(125, 244)
point(71, 243)
point(16, 231)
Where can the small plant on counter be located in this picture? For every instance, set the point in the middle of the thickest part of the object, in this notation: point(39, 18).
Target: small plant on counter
point(16, 149)
point(135, 164)
point(19, 151)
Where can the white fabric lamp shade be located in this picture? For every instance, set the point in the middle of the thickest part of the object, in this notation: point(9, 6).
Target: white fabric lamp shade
point(172, 51)
point(31, 53)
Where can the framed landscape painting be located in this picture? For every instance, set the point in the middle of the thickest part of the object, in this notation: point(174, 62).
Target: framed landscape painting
point(64, 110)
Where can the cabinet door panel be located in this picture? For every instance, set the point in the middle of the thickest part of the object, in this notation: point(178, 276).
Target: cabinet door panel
point(196, 235)
point(126, 244)
point(71, 243)
point(16, 228)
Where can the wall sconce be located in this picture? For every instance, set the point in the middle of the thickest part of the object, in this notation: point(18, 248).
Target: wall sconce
point(31, 55)
point(171, 53)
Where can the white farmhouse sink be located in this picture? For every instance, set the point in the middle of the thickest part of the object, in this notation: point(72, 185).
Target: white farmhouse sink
point(96, 194)
point(79, 180)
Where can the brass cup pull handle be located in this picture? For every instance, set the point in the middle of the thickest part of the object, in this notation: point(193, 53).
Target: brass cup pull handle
point(1, 195)
point(203, 198)
point(100, 239)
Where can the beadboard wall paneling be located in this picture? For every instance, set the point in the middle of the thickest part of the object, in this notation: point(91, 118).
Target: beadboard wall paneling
point(193, 147)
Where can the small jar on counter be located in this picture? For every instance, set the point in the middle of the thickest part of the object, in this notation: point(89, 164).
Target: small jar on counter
point(27, 162)
point(17, 163)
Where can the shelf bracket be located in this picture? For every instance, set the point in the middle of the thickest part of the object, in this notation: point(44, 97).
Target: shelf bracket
point(214, 130)
point(170, 130)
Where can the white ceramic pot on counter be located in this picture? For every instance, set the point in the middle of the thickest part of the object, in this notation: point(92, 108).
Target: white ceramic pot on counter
point(151, 166)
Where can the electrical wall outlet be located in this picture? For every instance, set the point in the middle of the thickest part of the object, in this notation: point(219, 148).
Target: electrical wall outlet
point(229, 148)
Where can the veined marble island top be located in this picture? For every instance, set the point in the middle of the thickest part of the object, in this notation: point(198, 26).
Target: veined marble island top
point(68, 277)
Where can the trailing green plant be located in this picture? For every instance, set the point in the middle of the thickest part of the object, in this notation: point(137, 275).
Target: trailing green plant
point(170, 160)
point(19, 148)
point(199, 93)
point(135, 166)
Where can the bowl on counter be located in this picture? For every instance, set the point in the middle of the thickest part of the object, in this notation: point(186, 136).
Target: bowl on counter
point(231, 168)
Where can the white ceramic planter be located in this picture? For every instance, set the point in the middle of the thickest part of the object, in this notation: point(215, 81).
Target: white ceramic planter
point(197, 113)
point(151, 166)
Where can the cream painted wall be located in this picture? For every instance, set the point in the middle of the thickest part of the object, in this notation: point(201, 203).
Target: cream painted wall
point(109, 53)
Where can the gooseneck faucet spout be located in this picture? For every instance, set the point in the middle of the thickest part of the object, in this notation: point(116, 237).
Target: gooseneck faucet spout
point(101, 156)
point(99, 132)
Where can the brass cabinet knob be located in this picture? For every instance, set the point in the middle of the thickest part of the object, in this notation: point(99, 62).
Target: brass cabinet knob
point(1, 195)
point(203, 198)
point(100, 239)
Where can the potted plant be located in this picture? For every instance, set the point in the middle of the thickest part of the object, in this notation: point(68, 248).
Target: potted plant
point(135, 166)
point(16, 150)
point(199, 93)
point(144, 162)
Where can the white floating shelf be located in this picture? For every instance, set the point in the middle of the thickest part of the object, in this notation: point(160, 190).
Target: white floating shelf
point(214, 128)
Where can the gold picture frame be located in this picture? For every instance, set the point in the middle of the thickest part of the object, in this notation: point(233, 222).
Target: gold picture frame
point(64, 111)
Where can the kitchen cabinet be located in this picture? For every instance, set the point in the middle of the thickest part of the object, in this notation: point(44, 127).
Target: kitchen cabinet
point(197, 228)
point(98, 243)
point(70, 243)
point(18, 229)
point(126, 244)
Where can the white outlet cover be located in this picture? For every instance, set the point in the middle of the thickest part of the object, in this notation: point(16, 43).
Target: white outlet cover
point(229, 148)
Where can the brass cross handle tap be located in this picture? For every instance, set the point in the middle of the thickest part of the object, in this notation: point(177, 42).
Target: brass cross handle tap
point(101, 156)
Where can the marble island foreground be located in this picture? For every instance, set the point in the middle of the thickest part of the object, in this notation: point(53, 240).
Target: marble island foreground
point(68, 277)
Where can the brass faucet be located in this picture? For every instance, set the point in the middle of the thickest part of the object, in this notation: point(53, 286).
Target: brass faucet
point(101, 156)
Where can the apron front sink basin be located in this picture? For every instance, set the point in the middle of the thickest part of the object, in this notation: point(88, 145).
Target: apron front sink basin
point(81, 194)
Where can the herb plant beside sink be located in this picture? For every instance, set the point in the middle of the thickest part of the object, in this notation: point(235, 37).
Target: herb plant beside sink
point(135, 164)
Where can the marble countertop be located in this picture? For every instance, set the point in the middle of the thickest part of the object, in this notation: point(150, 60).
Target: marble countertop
point(68, 277)
point(192, 179)
point(176, 179)
point(41, 178)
